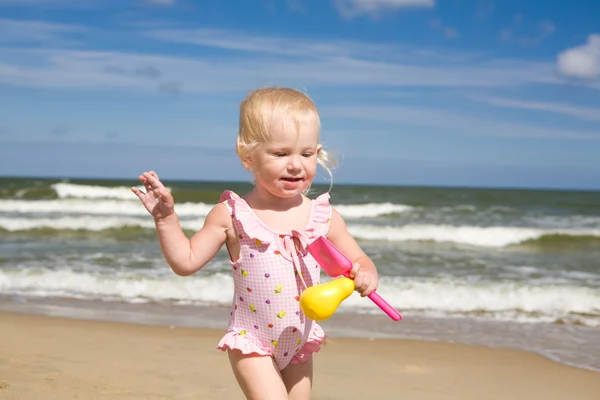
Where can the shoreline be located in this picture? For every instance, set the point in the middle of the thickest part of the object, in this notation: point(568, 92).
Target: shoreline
point(557, 343)
point(54, 357)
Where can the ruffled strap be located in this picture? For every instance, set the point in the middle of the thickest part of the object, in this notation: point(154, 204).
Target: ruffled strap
point(241, 211)
point(321, 215)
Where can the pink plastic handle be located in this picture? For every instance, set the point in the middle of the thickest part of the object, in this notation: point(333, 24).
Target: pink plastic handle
point(385, 306)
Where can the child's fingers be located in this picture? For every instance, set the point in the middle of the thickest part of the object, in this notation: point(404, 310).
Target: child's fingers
point(164, 194)
point(153, 180)
point(370, 288)
point(354, 270)
point(137, 192)
point(151, 176)
point(363, 284)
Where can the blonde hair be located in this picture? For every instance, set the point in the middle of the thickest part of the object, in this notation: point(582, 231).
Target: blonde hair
point(257, 110)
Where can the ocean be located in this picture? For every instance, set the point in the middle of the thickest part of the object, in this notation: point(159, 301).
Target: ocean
point(494, 267)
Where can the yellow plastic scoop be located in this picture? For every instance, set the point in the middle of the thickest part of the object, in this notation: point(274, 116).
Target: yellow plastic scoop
point(319, 302)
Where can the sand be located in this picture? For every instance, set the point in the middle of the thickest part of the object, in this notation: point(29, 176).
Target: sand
point(58, 358)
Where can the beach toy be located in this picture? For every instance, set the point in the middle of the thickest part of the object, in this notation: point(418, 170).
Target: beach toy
point(319, 302)
point(336, 264)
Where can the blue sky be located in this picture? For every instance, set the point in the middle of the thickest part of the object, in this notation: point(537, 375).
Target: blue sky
point(411, 92)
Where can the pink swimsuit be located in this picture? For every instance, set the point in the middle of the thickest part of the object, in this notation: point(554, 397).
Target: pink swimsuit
point(269, 277)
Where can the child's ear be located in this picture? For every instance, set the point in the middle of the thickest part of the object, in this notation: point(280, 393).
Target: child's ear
point(247, 163)
point(319, 148)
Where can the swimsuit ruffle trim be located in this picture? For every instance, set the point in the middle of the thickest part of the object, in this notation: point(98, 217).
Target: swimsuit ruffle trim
point(313, 344)
point(256, 229)
point(234, 341)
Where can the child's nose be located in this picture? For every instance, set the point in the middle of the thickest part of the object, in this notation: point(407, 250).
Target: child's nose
point(295, 163)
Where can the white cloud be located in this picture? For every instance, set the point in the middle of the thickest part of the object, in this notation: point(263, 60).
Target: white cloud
point(581, 61)
point(583, 113)
point(353, 8)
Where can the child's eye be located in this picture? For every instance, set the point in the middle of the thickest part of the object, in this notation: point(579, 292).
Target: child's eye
point(307, 154)
point(279, 154)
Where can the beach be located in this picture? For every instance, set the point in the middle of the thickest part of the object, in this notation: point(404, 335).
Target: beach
point(48, 358)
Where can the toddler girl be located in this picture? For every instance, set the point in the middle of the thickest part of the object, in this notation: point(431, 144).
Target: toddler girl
point(269, 340)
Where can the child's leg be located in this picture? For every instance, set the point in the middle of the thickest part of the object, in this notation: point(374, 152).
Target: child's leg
point(298, 380)
point(257, 376)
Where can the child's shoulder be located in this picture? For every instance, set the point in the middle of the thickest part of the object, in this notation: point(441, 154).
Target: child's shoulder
point(220, 214)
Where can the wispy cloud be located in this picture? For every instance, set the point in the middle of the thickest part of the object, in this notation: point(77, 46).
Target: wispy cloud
point(354, 8)
point(59, 4)
point(448, 31)
point(295, 5)
point(515, 31)
point(162, 2)
point(249, 59)
point(30, 2)
point(61, 68)
point(19, 31)
point(367, 62)
point(581, 61)
point(454, 123)
point(484, 10)
point(583, 113)
point(60, 130)
point(241, 41)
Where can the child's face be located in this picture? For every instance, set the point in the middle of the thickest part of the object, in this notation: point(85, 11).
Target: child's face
point(286, 165)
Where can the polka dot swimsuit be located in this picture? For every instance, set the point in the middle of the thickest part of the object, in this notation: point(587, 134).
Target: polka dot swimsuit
point(269, 276)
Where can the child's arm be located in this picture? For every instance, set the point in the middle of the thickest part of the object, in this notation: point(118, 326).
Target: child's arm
point(187, 256)
point(184, 256)
point(364, 271)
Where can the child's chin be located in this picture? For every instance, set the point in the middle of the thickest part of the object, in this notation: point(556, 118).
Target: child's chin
point(288, 190)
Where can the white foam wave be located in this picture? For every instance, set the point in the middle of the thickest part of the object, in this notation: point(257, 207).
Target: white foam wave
point(499, 301)
point(70, 190)
point(467, 235)
point(89, 223)
point(96, 207)
point(370, 210)
point(75, 191)
point(496, 236)
point(130, 205)
point(67, 283)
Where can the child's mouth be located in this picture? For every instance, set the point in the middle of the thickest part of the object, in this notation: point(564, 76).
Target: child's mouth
point(292, 179)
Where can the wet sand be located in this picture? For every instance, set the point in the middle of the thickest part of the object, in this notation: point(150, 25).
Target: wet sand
point(59, 358)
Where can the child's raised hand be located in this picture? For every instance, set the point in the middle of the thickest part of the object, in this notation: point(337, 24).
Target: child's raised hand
point(157, 199)
point(365, 280)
